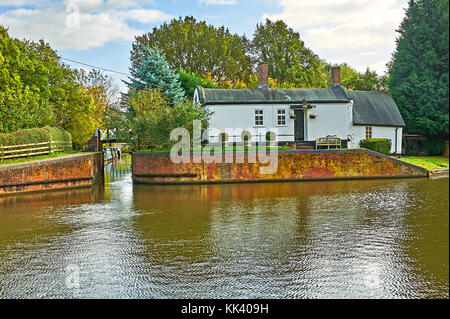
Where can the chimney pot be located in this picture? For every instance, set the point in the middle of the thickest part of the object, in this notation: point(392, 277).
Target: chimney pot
point(263, 75)
point(335, 75)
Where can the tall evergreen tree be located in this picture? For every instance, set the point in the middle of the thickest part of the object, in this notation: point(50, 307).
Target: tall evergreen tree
point(420, 72)
point(151, 69)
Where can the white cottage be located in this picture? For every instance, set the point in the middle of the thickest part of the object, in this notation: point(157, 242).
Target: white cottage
point(302, 115)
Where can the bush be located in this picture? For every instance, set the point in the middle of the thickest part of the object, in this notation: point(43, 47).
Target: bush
point(434, 146)
point(21, 137)
point(150, 118)
point(36, 135)
point(380, 145)
point(58, 134)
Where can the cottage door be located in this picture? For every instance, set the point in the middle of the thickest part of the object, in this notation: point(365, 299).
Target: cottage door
point(299, 125)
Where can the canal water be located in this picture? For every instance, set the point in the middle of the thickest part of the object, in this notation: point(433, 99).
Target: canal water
point(340, 239)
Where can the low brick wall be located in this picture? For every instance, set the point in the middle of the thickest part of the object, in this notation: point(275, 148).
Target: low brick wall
point(292, 166)
point(69, 171)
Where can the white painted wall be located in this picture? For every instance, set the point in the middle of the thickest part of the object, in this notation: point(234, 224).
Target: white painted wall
point(330, 119)
point(359, 133)
point(225, 118)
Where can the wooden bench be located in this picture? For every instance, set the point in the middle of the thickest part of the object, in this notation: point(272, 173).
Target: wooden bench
point(329, 142)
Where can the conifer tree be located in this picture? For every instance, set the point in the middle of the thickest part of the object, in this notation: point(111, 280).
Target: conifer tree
point(152, 70)
point(420, 72)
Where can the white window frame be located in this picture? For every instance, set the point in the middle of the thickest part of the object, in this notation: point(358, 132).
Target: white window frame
point(255, 115)
point(285, 117)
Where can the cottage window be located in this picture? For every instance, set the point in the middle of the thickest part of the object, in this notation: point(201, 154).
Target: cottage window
point(281, 117)
point(368, 132)
point(259, 117)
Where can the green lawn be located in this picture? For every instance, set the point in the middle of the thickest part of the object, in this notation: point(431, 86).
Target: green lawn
point(34, 158)
point(427, 162)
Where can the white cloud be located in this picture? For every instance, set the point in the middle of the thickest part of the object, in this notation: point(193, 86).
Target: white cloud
point(79, 24)
point(218, 2)
point(16, 3)
point(86, 5)
point(90, 5)
point(144, 15)
point(345, 31)
point(126, 3)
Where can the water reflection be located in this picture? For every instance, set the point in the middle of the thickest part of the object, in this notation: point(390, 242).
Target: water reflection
point(350, 239)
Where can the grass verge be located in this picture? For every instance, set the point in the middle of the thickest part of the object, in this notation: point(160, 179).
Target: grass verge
point(427, 162)
point(35, 158)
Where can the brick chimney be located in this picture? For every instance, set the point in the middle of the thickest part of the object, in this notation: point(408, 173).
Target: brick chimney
point(335, 75)
point(263, 75)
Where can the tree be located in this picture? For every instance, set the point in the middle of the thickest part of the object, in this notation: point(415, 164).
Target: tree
point(96, 79)
point(273, 83)
point(24, 87)
point(37, 89)
point(80, 121)
point(367, 81)
point(199, 48)
point(189, 81)
point(419, 74)
point(72, 105)
point(104, 92)
point(152, 69)
point(147, 109)
point(149, 120)
point(288, 58)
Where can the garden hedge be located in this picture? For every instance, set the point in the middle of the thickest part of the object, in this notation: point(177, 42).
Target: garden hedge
point(380, 145)
point(37, 135)
point(58, 134)
point(434, 146)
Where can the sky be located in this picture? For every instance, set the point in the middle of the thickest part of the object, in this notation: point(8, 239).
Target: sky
point(100, 32)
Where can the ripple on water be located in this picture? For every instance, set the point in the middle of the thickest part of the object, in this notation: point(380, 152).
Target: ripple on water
point(354, 239)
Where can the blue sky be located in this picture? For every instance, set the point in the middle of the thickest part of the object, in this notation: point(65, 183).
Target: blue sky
point(100, 32)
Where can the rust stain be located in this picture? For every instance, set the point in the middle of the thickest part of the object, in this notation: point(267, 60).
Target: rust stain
point(39, 172)
point(290, 166)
